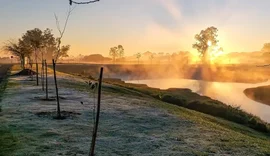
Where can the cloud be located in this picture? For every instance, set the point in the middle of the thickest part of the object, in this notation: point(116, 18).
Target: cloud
point(171, 7)
point(160, 38)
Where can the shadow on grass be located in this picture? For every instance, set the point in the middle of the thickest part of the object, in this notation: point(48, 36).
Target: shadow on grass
point(53, 115)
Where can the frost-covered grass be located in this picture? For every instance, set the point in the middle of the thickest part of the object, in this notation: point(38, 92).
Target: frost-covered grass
point(131, 123)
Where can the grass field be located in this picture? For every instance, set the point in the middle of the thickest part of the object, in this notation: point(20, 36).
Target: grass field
point(133, 122)
point(181, 97)
point(4, 69)
point(7, 140)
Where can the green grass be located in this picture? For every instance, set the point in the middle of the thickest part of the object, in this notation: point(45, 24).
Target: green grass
point(8, 142)
point(4, 81)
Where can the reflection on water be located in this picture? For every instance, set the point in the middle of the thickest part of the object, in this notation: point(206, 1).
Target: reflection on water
point(229, 93)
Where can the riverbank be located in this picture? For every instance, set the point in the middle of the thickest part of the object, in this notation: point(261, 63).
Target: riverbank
point(188, 99)
point(132, 123)
point(259, 94)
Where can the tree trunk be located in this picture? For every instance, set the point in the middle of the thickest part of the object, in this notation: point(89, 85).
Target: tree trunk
point(56, 89)
point(22, 62)
point(42, 75)
point(92, 150)
point(36, 67)
point(46, 74)
point(37, 73)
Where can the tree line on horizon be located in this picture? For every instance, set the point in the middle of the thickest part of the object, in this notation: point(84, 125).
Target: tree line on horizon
point(37, 45)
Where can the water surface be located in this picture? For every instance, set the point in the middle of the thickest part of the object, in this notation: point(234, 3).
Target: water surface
point(227, 92)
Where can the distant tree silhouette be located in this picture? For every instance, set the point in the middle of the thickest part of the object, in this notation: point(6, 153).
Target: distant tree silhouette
point(120, 50)
point(204, 40)
point(19, 49)
point(266, 47)
point(113, 53)
point(116, 52)
point(266, 53)
point(168, 56)
point(138, 56)
point(151, 57)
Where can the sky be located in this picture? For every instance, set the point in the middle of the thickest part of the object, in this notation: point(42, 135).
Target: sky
point(141, 25)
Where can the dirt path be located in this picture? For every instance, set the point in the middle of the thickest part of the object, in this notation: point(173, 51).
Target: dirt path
point(129, 125)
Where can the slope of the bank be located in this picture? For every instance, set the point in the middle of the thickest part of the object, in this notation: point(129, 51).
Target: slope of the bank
point(131, 123)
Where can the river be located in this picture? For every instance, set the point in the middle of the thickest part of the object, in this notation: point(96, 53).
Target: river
point(227, 92)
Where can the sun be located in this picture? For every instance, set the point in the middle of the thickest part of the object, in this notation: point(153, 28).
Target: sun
point(214, 52)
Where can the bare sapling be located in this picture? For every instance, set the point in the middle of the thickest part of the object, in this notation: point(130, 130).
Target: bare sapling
point(31, 67)
point(42, 75)
point(46, 79)
point(92, 149)
point(37, 73)
point(61, 32)
point(56, 90)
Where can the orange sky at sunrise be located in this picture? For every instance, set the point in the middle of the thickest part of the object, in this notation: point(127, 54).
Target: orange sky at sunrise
point(143, 25)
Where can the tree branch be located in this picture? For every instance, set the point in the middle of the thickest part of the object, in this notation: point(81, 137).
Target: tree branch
point(61, 32)
point(57, 23)
point(71, 1)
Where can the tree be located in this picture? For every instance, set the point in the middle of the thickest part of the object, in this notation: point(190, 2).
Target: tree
point(168, 56)
point(138, 56)
point(63, 52)
point(151, 57)
point(44, 44)
point(113, 53)
point(116, 52)
point(19, 49)
point(120, 50)
point(266, 47)
point(49, 45)
point(204, 40)
point(34, 38)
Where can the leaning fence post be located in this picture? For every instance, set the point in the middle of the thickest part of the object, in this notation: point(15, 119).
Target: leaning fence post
point(56, 89)
point(97, 116)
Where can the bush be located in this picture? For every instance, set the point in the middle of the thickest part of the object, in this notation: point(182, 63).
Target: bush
point(173, 100)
